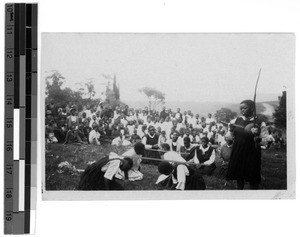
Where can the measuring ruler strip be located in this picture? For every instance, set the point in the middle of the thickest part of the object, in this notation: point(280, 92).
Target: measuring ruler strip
point(9, 108)
point(20, 152)
point(19, 111)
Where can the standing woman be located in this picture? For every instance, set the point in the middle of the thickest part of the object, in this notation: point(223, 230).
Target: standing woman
point(245, 161)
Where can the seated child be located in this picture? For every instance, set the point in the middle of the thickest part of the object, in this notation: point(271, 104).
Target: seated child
point(94, 135)
point(195, 139)
point(162, 138)
point(186, 148)
point(135, 137)
point(204, 156)
point(225, 154)
point(120, 141)
point(50, 132)
point(72, 135)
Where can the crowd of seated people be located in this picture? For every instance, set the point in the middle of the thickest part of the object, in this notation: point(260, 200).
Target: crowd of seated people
point(125, 126)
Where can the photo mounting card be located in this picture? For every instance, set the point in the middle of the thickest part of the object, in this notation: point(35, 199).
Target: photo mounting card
point(168, 116)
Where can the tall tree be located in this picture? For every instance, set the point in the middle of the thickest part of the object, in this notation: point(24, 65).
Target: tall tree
point(58, 95)
point(54, 81)
point(280, 112)
point(116, 89)
point(155, 97)
point(87, 88)
point(225, 115)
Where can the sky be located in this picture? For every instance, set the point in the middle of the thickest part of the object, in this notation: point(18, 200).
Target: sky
point(186, 67)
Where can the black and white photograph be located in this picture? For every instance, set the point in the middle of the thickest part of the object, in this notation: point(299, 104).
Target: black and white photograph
point(153, 118)
point(180, 115)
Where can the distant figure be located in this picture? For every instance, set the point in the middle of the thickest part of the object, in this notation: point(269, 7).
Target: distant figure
point(120, 141)
point(209, 119)
point(135, 137)
point(225, 154)
point(72, 135)
point(162, 138)
point(94, 135)
point(174, 143)
point(163, 113)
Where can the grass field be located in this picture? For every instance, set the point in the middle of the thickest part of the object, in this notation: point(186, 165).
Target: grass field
point(66, 177)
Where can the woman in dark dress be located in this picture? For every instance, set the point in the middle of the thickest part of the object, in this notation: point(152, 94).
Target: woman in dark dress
point(245, 161)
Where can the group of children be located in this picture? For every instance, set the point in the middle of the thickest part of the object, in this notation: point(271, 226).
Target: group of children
point(124, 126)
point(179, 170)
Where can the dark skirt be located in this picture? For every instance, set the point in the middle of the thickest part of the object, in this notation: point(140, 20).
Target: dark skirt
point(245, 160)
point(195, 181)
point(93, 178)
point(207, 170)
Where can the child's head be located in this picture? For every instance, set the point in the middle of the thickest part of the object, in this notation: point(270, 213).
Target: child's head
point(181, 131)
point(186, 142)
point(165, 147)
point(126, 164)
point(73, 111)
point(144, 127)
point(204, 141)
point(175, 136)
point(95, 126)
point(165, 168)
point(151, 130)
point(247, 108)
point(139, 148)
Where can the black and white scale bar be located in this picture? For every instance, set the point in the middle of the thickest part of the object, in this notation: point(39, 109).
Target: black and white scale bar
point(20, 117)
point(9, 107)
